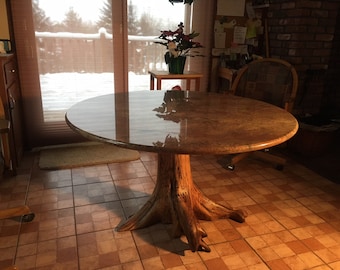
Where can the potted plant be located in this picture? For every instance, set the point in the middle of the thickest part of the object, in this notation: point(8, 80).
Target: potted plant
point(179, 46)
point(181, 1)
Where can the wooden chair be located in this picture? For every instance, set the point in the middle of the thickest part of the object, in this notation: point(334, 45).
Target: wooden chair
point(271, 80)
point(22, 212)
point(225, 74)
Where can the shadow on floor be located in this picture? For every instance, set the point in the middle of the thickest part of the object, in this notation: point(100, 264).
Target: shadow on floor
point(325, 162)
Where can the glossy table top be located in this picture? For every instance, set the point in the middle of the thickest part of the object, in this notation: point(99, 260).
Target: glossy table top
point(182, 122)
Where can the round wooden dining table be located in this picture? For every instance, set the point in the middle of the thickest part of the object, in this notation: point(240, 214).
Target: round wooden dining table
point(177, 124)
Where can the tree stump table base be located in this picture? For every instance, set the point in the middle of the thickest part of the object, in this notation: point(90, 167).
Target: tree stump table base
point(177, 200)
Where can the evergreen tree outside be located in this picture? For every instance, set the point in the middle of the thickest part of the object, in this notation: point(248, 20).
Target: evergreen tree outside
point(105, 20)
point(147, 25)
point(133, 28)
point(41, 21)
point(72, 22)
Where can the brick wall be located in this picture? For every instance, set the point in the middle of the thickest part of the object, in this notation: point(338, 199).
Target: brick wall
point(306, 34)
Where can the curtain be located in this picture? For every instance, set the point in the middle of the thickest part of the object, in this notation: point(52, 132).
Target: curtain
point(28, 68)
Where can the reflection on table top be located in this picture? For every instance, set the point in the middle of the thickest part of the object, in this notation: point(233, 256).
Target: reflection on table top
point(182, 122)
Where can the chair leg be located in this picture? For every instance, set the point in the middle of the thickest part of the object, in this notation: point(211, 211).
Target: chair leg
point(266, 156)
point(230, 161)
point(278, 161)
point(13, 267)
point(236, 159)
point(20, 211)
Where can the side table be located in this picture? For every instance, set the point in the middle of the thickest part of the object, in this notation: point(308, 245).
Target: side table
point(165, 75)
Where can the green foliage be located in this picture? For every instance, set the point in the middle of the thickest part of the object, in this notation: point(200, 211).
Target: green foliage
point(178, 43)
point(179, 1)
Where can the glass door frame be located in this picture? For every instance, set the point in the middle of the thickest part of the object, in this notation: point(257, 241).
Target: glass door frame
point(120, 45)
point(37, 132)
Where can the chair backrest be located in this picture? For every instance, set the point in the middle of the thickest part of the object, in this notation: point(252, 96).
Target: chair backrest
point(271, 80)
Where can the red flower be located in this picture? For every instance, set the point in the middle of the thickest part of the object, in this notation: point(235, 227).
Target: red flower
point(178, 43)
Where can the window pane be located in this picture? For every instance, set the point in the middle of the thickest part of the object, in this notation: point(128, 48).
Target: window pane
point(145, 21)
point(75, 52)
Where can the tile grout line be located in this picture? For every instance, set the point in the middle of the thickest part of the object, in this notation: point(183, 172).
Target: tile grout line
point(22, 217)
point(75, 222)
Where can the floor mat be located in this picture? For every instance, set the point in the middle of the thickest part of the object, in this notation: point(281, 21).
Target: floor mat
point(84, 154)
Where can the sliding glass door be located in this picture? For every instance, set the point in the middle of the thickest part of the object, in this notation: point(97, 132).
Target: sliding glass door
point(70, 50)
point(74, 52)
point(146, 20)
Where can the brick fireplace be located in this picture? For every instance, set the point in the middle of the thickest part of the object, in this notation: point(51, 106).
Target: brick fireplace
point(306, 34)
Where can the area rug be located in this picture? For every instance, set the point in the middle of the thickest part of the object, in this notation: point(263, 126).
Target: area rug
point(83, 154)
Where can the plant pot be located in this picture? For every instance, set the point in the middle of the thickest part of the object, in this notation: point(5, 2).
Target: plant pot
point(176, 64)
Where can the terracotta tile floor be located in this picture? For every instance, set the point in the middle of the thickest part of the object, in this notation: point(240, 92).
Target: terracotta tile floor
point(293, 218)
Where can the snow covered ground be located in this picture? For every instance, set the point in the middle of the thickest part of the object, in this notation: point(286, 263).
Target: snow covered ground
point(62, 90)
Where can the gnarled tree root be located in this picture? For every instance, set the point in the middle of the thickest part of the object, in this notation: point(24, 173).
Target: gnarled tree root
point(177, 200)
